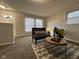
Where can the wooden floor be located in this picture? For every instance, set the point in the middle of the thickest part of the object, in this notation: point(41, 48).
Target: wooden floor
point(20, 50)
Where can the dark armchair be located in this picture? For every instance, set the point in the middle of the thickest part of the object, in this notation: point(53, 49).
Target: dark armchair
point(39, 33)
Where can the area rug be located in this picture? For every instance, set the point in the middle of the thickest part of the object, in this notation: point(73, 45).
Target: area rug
point(48, 51)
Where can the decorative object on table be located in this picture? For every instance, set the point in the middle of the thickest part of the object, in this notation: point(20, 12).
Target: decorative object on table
point(58, 34)
point(56, 40)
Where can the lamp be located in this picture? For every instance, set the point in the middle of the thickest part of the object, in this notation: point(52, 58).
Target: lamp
point(49, 29)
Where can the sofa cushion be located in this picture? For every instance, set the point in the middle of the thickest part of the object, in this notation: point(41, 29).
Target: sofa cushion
point(39, 32)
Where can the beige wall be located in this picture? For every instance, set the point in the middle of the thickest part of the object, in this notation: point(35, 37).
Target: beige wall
point(17, 21)
point(20, 25)
point(59, 20)
point(56, 20)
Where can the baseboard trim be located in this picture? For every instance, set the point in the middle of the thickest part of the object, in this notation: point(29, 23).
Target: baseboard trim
point(8, 43)
point(72, 41)
point(22, 36)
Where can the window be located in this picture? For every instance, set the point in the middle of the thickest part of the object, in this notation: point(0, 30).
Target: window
point(31, 23)
point(39, 23)
point(73, 17)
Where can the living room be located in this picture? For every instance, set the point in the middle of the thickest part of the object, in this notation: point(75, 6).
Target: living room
point(18, 17)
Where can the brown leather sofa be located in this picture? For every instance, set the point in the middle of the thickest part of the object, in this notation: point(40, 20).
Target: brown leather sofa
point(39, 33)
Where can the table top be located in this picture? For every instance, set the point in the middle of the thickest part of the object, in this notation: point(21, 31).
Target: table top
point(48, 39)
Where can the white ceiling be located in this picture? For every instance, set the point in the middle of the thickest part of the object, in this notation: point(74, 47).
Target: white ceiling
point(39, 9)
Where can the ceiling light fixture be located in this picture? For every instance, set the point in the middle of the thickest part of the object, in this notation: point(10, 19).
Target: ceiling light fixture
point(1, 6)
point(7, 17)
point(39, 1)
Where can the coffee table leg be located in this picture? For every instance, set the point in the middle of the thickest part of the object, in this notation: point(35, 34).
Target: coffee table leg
point(65, 51)
point(44, 42)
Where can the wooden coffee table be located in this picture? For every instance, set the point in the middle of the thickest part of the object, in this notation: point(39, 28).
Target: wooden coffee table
point(61, 43)
point(48, 39)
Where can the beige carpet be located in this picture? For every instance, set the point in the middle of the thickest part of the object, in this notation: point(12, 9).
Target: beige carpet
point(22, 49)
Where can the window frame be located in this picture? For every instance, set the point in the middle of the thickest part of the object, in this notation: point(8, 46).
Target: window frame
point(66, 19)
point(34, 23)
point(26, 25)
